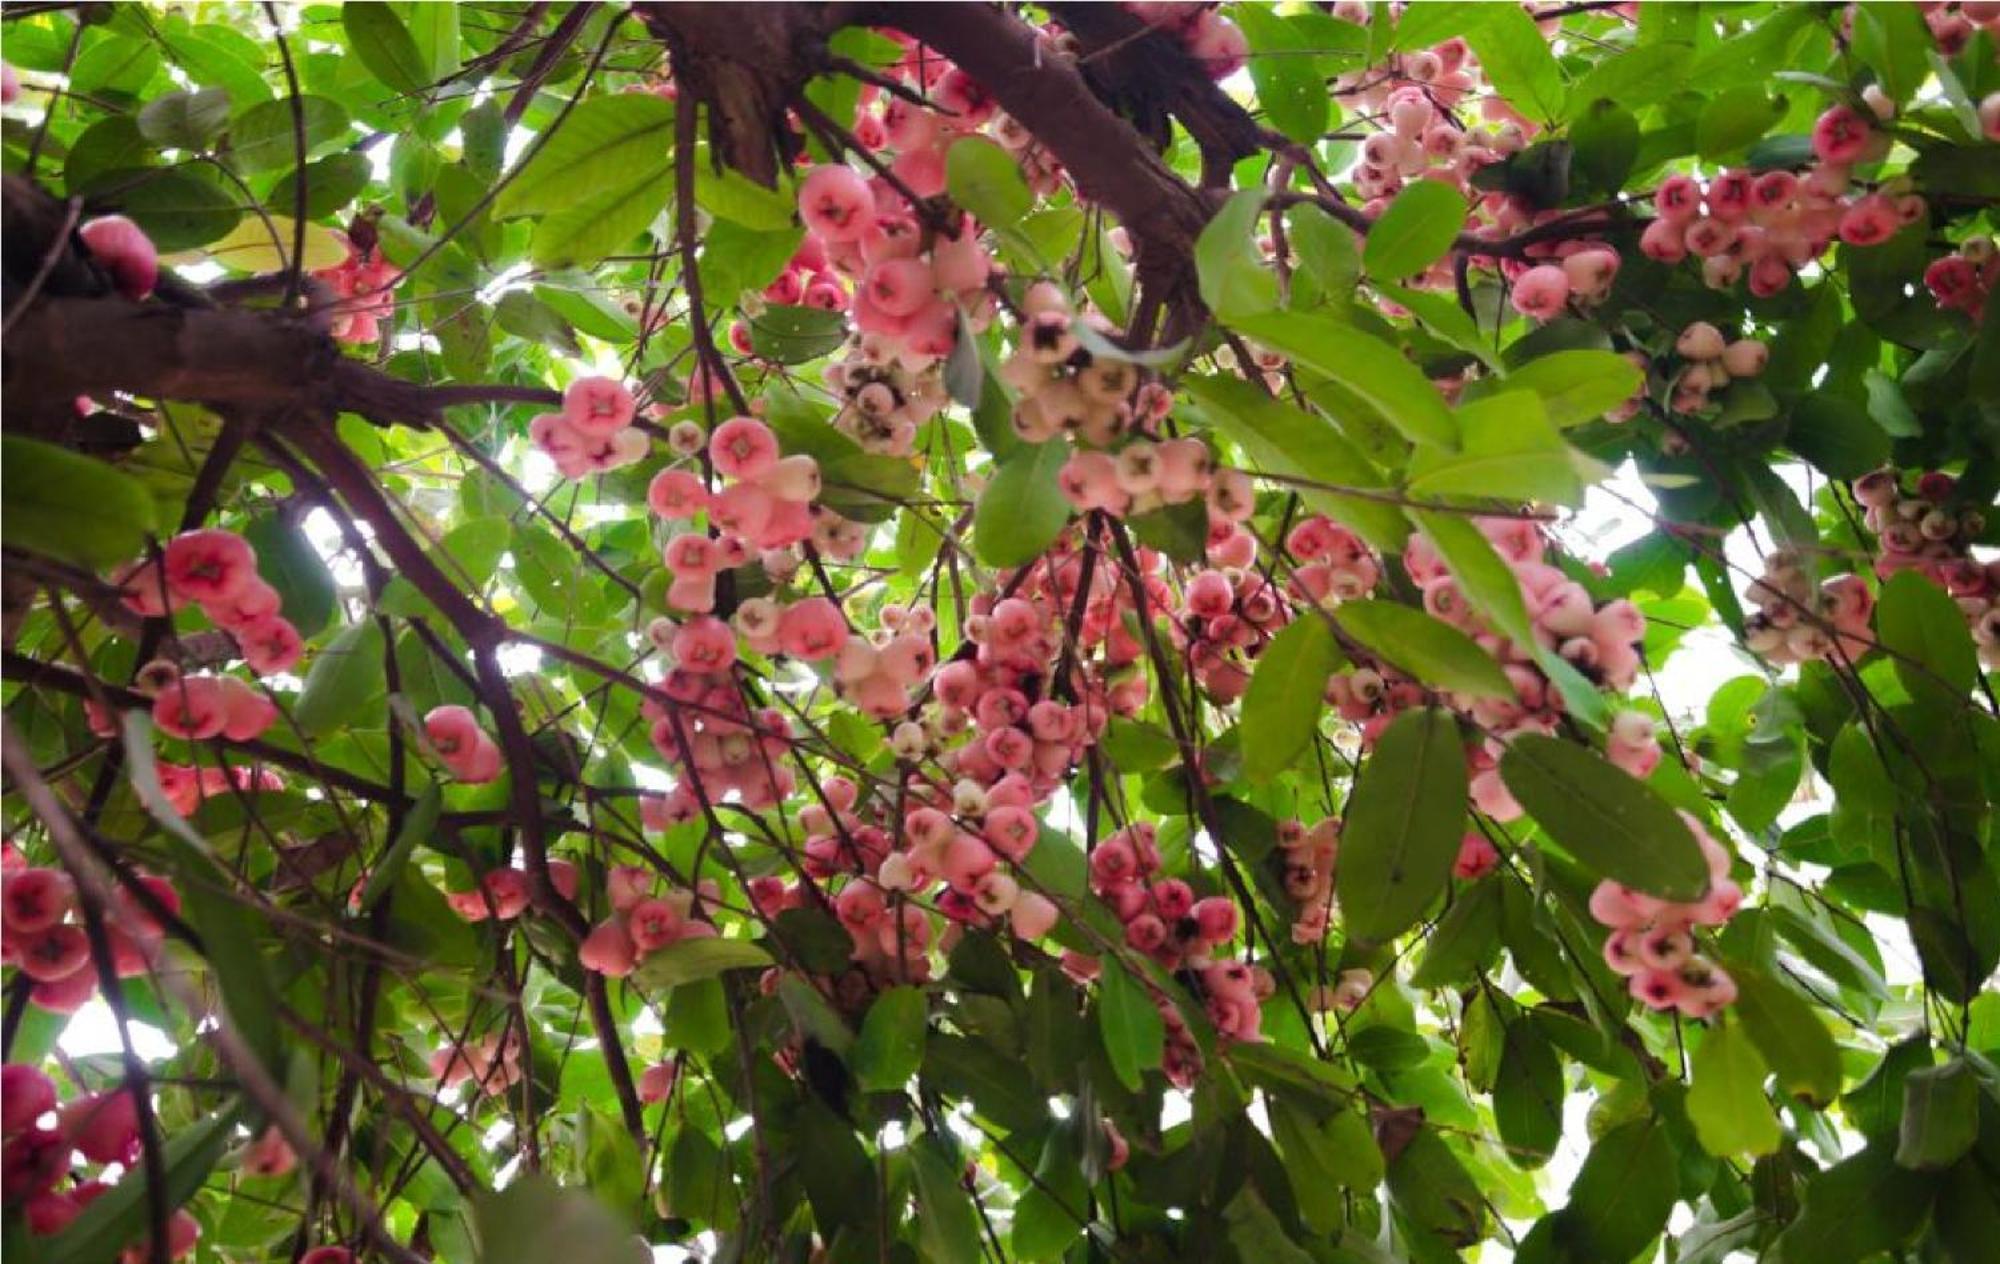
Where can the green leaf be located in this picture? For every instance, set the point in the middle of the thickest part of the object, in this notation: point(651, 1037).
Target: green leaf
point(1466, 938)
point(605, 146)
point(1892, 39)
point(986, 180)
point(1617, 825)
point(1940, 1116)
point(262, 137)
point(419, 824)
point(1432, 1192)
point(1328, 250)
point(1022, 510)
point(1404, 824)
point(582, 233)
point(534, 1220)
point(690, 960)
point(1415, 231)
point(119, 64)
point(947, 1222)
point(185, 120)
point(344, 677)
point(1578, 386)
point(1323, 1154)
point(1515, 57)
point(1282, 708)
point(1365, 365)
point(1734, 117)
point(41, 489)
point(1133, 1032)
point(1290, 87)
point(1509, 452)
point(698, 1186)
point(1487, 581)
point(609, 1158)
point(288, 562)
point(1623, 1193)
point(1860, 1206)
point(793, 335)
point(1429, 649)
point(384, 45)
point(891, 1046)
point(120, 1217)
point(1281, 439)
point(1726, 1103)
point(1837, 435)
point(1788, 1032)
point(1528, 1095)
point(1605, 137)
point(1234, 281)
point(1926, 634)
point(331, 183)
point(1637, 77)
point(180, 208)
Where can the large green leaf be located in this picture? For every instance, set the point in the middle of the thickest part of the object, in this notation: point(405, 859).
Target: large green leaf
point(1860, 1206)
point(1234, 280)
point(986, 180)
point(690, 960)
point(1726, 1102)
point(582, 233)
point(1427, 648)
point(891, 1045)
point(1404, 824)
point(1605, 817)
point(1623, 1193)
point(1514, 55)
point(1285, 440)
point(1130, 1025)
point(42, 488)
point(1282, 706)
point(1786, 1030)
point(345, 676)
point(264, 136)
point(534, 1220)
point(1022, 510)
point(1415, 231)
point(1370, 368)
point(947, 1222)
point(1925, 631)
point(1579, 385)
point(378, 37)
point(1290, 86)
point(288, 562)
point(1940, 1115)
point(1528, 1095)
point(120, 1217)
point(605, 146)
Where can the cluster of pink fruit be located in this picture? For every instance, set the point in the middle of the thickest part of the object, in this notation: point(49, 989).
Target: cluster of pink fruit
point(491, 1063)
point(1962, 280)
point(593, 433)
point(1652, 942)
point(643, 920)
point(461, 745)
point(1227, 618)
point(1797, 622)
point(707, 729)
point(363, 286)
point(1163, 919)
point(216, 570)
point(1309, 858)
point(1768, 225)
point(764, 508)
point(883, 400)
point(1065, 388)
point(35, 1158)
point(1921, 531)
point(1215, 43)
point(50, 947)
point(1713, 362)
